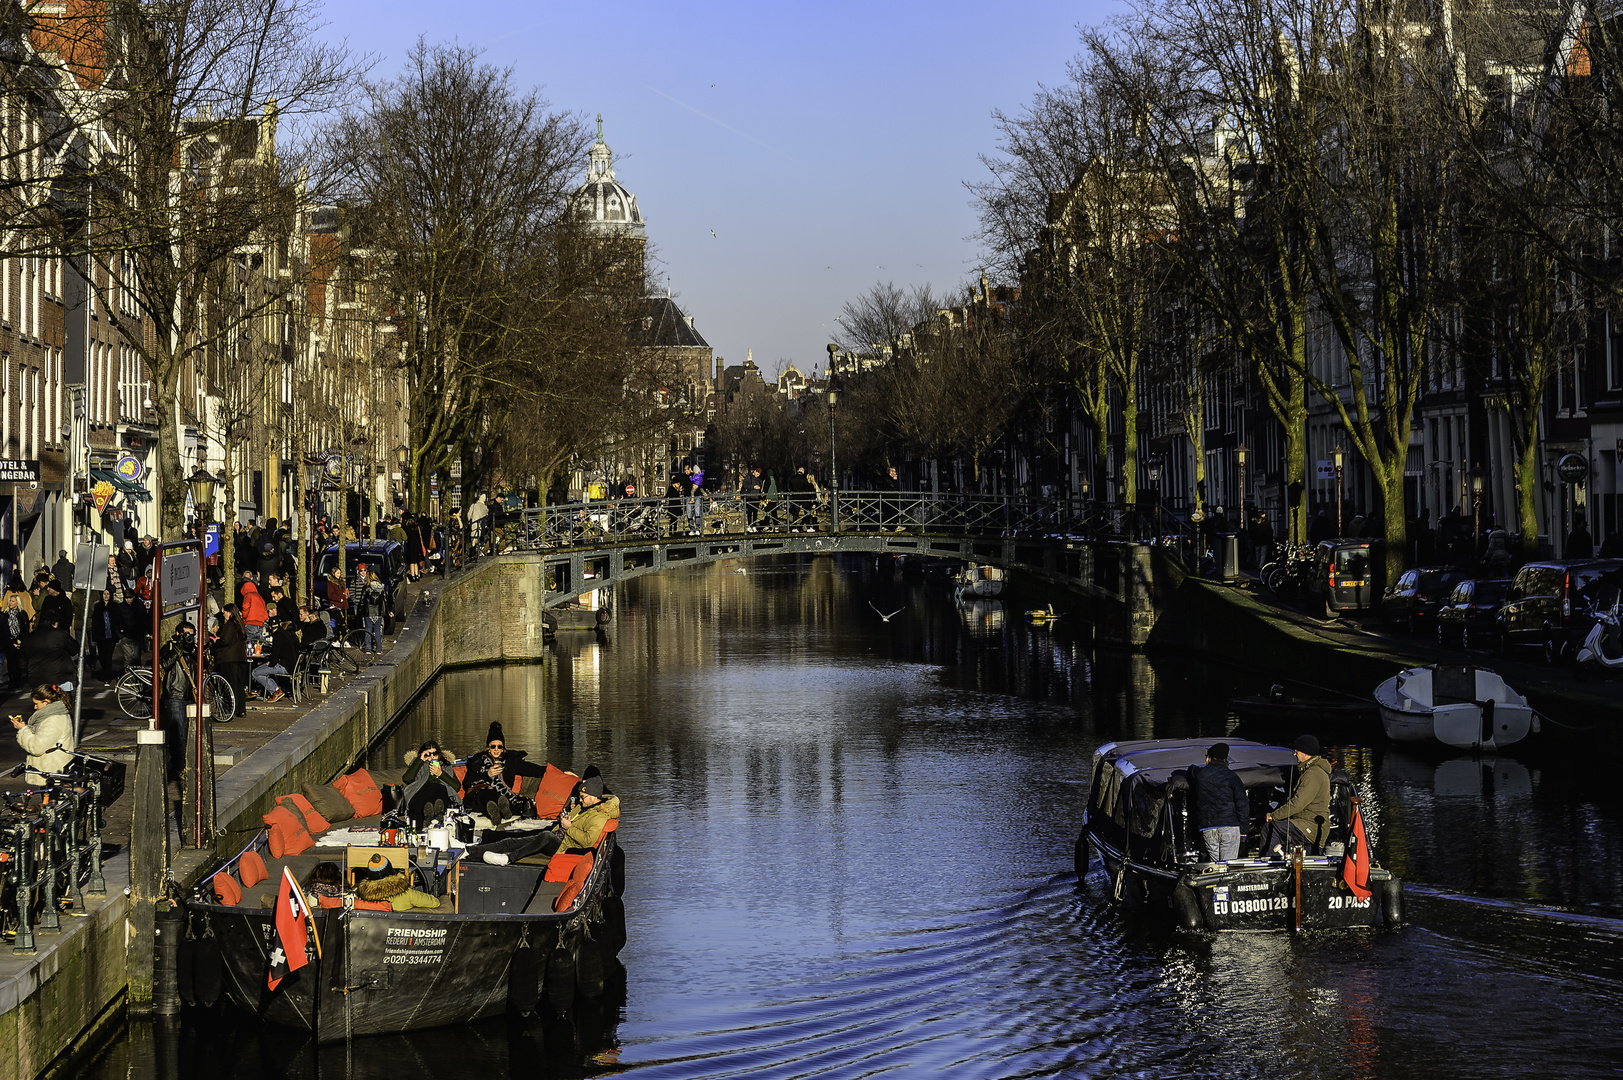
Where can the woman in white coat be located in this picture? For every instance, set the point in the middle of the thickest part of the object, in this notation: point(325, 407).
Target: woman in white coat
point(47, 736)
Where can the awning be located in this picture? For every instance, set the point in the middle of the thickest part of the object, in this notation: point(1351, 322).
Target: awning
point(120, 484)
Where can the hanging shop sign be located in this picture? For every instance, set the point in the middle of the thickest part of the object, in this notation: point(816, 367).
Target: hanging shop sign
point(130, 468)
point(1573, 468)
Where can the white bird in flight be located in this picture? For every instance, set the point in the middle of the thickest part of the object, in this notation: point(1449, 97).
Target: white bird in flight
point(883, 617)
point(713, 233)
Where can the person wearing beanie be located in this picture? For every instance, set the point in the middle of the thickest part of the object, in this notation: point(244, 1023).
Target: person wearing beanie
point(491, 779)
point(1304, 818)
point(580, 825)
point(1221, 806)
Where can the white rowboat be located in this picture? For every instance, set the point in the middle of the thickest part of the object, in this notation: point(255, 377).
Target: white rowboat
point(1454, 704)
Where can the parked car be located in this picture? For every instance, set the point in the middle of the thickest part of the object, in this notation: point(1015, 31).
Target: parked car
point(1414, 598)
point(1470, 615)
point(1547, 604)
point(1348, 575)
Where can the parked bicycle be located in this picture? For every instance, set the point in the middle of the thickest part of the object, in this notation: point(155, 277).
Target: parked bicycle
point(133, 690)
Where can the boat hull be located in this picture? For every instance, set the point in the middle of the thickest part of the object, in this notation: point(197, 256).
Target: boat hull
point(405, 971)
point(1253, 895)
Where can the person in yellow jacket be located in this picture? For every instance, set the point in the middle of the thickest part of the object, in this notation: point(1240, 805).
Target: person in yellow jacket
point(1304, 818)
point(580, 825)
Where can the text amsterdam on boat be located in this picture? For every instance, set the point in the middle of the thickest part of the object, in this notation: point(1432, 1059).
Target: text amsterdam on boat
point(415, 935)
point(1141, 819)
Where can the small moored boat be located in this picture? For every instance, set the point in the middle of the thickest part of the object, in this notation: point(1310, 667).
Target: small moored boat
point(1278, 706)
point(1454, 704)
point(978, 582)
point(1139, 820)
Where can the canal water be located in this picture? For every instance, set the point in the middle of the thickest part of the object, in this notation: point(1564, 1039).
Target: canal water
point(849, 854)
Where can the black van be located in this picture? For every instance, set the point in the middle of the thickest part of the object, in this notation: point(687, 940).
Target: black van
point(1548, 602)
point(386, 557)
point(1349, 574)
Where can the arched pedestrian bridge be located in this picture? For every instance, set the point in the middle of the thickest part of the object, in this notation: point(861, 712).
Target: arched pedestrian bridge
point(1098, 550)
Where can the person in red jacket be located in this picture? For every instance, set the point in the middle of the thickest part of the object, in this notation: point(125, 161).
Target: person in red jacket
point(253, 612)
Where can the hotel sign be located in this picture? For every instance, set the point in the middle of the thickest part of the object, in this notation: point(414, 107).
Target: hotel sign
point(14, 471)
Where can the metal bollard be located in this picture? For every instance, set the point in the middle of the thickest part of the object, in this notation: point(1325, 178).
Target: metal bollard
point(22, 865)
point(97, 884)
point(48, 917)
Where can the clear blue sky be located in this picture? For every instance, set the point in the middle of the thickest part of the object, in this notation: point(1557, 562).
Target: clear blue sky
point(820, 141)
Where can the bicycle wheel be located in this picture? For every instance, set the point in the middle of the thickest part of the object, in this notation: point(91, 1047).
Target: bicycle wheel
point(134, 692)
point(223, 703)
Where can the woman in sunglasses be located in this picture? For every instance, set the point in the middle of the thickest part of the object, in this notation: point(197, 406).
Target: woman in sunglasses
point(492, 776)
point(430, 784)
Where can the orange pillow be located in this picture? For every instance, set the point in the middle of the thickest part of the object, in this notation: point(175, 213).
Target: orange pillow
point(577, 881)
point(362, 792)
point(226, 889)
point(329, 901)
point(560, 866)
point(461, 774)
point(252, 869)
point(287, 833)
point(312, 820)
point(556, 787)
point(373, 905)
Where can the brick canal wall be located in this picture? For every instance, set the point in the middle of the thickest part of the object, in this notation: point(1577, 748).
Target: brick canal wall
point(488, 615)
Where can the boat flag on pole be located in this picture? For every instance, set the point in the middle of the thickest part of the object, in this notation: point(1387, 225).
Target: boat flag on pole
point(1355, 866)
point(292, 929)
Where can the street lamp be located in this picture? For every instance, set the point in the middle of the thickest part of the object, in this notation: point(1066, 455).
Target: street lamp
point(202, 484)
point(1336, 457)
point(1239, 456)
point(833, 464)
point(1476, 504)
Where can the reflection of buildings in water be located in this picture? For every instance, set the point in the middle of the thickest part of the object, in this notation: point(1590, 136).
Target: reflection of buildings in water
point(1139, 696)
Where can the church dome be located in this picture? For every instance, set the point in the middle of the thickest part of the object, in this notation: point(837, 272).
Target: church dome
point(605, 205)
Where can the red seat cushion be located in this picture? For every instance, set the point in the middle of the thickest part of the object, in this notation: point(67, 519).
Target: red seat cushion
point(556, 787)
point(560, 866)
point(373, 905)
point(362, 792)
point(287, 833)
point(329, 901)
point(461, 772)
point(252, 869)
point(313, 820)
point(226, 889)
point(577, 881)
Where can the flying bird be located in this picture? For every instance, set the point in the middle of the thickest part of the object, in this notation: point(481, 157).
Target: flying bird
point(883, 617)
point(713, 233)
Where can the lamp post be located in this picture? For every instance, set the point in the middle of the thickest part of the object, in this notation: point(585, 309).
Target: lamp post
point(833, 464)
point(1476, 505)
point(202, 484)
point(1336, 457)
point(363, 477)
point(1239, 456)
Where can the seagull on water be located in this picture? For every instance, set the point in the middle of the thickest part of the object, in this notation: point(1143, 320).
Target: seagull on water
point(883, 617)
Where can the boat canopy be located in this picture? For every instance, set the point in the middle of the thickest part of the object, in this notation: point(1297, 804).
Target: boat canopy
point(1132, 781)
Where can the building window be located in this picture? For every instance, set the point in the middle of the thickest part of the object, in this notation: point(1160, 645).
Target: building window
point(1614, 354)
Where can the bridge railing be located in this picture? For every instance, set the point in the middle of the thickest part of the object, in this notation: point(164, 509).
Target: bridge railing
point(610, 523)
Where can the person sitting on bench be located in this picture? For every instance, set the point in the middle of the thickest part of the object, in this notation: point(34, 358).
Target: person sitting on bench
point(1303, 819)
point(580, 825)
point(430, 785)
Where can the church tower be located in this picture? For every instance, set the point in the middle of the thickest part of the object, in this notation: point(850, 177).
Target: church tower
point(609, 215)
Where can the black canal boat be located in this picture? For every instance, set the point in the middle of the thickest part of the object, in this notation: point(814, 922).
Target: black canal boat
point(504, 938)
point(1139, 821)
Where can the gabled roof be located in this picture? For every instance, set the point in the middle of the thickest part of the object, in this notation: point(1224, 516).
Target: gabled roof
point(663, 325)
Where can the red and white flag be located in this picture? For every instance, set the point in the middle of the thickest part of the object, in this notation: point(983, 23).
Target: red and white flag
point(1355, 866)
point(291, 931)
